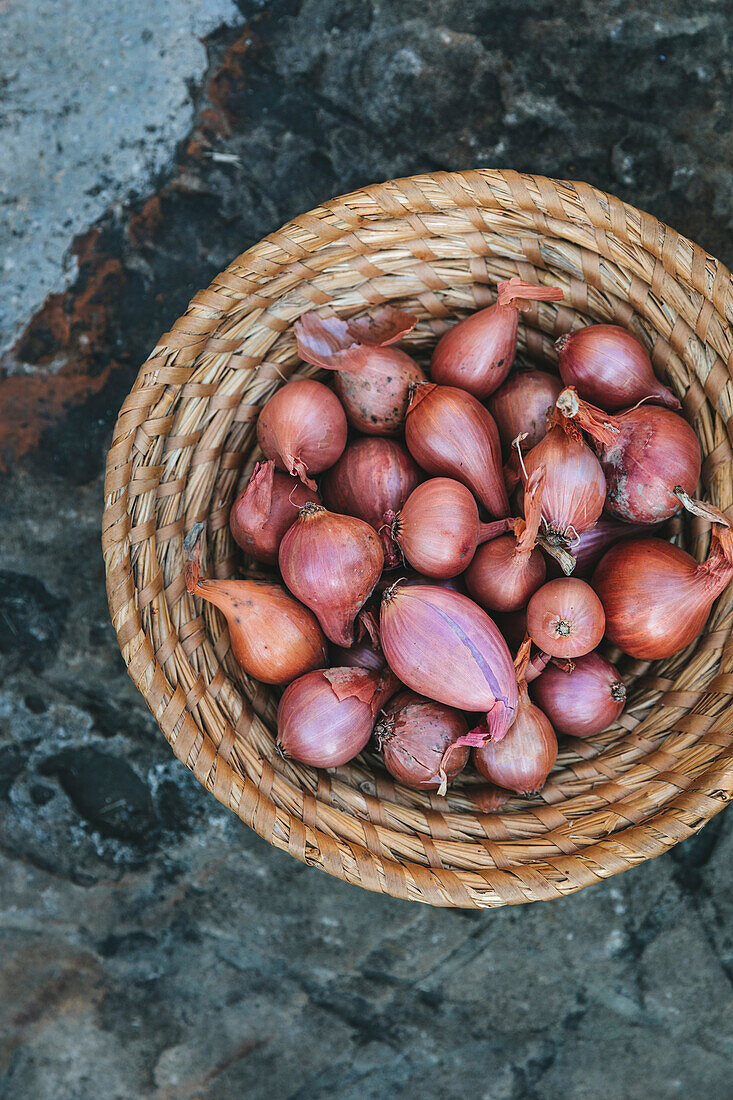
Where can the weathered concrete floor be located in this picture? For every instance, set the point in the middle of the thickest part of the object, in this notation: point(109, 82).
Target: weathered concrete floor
point(151, 946)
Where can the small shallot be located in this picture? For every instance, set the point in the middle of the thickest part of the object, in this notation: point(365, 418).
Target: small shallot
point(441, 644)
point(610, 367)
point(478, 352)
point(449, 433)
point(303, 428)
point(565, 618)
point(524, 759)
point(657, 598)
point(583, 701)
point(372, 379)
point(274, 638)
point(644, 453)
point(507, 570)
point(372, 480)
point(414, 735)
point(326, 718)
point(331, 563)
point(263, 511)
point(521, 404)
point(438, 529)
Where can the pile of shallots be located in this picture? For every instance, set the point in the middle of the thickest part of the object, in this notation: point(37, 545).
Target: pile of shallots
point(444, 555)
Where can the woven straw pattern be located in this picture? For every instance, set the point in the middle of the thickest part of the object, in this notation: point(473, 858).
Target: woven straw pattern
point(185, 440)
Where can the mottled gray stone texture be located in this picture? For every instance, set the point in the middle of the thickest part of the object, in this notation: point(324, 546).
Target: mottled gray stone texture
point(152, 947)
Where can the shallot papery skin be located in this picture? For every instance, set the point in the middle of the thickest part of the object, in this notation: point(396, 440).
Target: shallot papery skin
point(583, 702)
point(438, 528)
point(303, 428)
point(656, 597)
point(565, 618)
point(610, 367)
point(274, 638)
point(526, 756)
point(478, 352)
point(449, 433)
point(265, 509)
point(645, 452)
point(372, 480)
point(441, 644)
point(415, 734)
point(575, 488)
point(521, 404)
point(331, 563)
point(326, 718)
point(507, 570)
point(372, 379)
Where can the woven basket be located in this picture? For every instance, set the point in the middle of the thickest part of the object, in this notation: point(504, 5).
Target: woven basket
point(185, 441)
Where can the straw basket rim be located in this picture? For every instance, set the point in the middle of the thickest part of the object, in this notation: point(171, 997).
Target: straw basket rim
point(436, 244)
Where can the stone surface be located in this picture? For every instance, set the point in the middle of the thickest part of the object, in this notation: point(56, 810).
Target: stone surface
point(151, 947)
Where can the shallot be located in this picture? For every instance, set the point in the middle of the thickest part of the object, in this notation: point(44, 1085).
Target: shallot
point(448, 432)
point(507, 570)
point(644, 453)
point(303, 428)
point(372, 378)
point(438, 529)
point(524, 759)
point(583, 701)
point(611, 368)
point(372, 480)
point(521, 404)
point(274, 638)
point(478, 352)
point(565, 618)
point(656, 597)
point(326, 718)
point(441, 644)
point(263, 511)
point(331, 563)
point(414, 735)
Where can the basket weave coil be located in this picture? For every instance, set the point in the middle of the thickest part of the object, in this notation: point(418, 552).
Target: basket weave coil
point(184, 442)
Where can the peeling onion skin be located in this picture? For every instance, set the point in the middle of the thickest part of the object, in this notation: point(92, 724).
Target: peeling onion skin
point(372, 477)
point(371, 378)
point(415, 733)
point(439, 642)
point(265, 509)
point(575, 488)
point(584, 702)
point(331, 563)
point(521, 404)
point(657, 598)
point(611, 368)
point(450, 434)
point(303, 428)
point(326, 717)
point(565, 618)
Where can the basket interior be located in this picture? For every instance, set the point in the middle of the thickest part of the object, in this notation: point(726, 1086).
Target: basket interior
point(185, 443)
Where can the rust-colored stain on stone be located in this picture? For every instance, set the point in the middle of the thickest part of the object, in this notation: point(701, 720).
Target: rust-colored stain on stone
point(55, 363)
